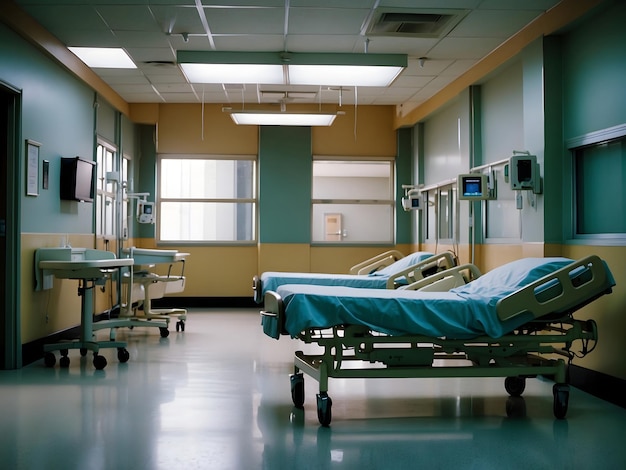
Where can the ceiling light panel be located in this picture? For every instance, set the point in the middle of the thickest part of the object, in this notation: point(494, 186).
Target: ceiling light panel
point(334, 69)
point(261, 118)
point(104, 57)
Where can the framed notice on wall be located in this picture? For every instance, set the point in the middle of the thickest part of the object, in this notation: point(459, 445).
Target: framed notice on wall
point(32, 168)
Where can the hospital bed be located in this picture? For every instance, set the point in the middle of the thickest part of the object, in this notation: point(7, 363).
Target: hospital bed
point(376, 273)
point(145, 286)
point(515, 321)
point(154, 286)
point(90, 268)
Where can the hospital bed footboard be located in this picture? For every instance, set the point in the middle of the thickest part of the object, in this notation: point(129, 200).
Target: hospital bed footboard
point(538, 348)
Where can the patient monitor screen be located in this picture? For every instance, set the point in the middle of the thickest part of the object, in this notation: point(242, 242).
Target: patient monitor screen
point(473, 186)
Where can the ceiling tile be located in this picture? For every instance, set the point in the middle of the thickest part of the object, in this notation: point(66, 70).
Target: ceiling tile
point(245, 20)
point(493, 23)
point(322, 21)
point(463, 48)
point(128, 17)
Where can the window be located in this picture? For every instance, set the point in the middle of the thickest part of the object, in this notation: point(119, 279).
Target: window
point(446, 212)
point(502, 218)
point(124, 177)
point(206, 198)
point(106, 213)
point(353, 201)
point(440, 213)
point(600, 189)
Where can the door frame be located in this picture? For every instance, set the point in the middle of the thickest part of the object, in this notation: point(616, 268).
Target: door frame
point(11, 354)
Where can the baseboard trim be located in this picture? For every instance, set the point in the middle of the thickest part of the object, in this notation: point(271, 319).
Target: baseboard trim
point(598, 384)
point(205, 302)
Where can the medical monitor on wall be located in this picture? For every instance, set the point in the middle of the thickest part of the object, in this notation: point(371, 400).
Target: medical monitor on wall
point(473, 186)
point(77, 179)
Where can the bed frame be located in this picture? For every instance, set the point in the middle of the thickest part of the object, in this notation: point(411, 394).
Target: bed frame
point(543, 346)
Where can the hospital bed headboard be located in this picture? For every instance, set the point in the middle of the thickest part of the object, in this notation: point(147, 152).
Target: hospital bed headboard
point(563, 291)
point(377, 262)
point(445, 280)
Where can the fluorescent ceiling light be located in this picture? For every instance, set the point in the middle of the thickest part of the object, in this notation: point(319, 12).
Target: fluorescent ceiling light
point(342, 75)
point(290, 68)
point(233, 73)
point(104, 57)
point(269, 118)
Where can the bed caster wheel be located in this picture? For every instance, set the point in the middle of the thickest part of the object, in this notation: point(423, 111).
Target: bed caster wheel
point(64, 362)
point(83, 352)
point(515, 386)
point(49, 359)
point(164, 332)
point(180, 325)
point(324, 406)
point(297, 389)
point(123, 355)
point(99, 362)
point(561, 400)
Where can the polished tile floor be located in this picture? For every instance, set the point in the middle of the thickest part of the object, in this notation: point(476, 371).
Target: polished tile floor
point(217, 396)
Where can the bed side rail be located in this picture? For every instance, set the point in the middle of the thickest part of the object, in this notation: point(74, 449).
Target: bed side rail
point(257, 289)
point(376, 262)
point(423, 269)
point(445, 280)
point(273, 315)
point(566, 290)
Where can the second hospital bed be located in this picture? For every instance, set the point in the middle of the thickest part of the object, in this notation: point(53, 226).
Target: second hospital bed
point(377, 273)
point(502, 324)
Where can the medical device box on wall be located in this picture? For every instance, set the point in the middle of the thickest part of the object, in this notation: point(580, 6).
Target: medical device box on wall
point(473, 187)
point(412, 201)
point(145, 212)
point(524, 173)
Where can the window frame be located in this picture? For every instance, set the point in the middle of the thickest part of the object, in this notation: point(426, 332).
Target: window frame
point(159, 199)
point(500, 182)
point(575, 146)
point(389, 202)
point(105, 189)
point(432, 220)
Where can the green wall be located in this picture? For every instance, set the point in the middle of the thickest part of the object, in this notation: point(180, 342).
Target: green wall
point(594, 74)
point(144, 165)
point(57, 112)
point(285, 179)
point(404, 175)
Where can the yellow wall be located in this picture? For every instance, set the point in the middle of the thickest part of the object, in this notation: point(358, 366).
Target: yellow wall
point(609, 311)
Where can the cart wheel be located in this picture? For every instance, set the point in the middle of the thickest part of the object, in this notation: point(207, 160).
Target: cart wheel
point(561, 400)
point(49, 359)
point(297, 389)
point(64, 362)
point(99, 362)
point(180, 324)
point(515, 386)
point(324, 405)
point(164, 332)
point(123, 355)
point(83, 352)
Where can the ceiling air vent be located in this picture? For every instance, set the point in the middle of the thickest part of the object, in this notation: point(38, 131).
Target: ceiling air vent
point(414, 23)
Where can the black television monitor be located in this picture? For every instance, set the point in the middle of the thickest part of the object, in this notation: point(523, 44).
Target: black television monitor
point(473, 186)
point(77, 179)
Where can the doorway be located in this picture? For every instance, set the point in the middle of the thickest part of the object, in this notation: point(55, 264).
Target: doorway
point(10, 351)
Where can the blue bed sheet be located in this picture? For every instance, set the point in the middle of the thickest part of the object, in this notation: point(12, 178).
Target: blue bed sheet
point(463, 312)
point(271, 280)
